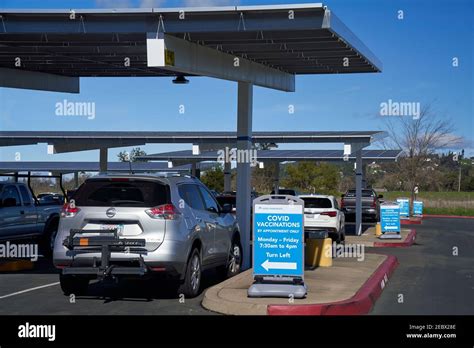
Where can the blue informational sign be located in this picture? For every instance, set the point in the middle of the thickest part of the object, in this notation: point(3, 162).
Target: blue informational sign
point(390, 218)
point(278, 240)
point(417, 207)
point(404, 204)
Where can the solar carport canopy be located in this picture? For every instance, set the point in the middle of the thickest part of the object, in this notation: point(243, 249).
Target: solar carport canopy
point(295, 39)
point(65, 141)
point(74, 167)
point(280, 155)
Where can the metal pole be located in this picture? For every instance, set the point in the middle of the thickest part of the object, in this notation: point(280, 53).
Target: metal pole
point(227, 176)
point(76, 180)
point(244, 142)
point(193, 169)
point(364, 175)
point(103, 159)
point(60, 177)
point(358, 217)
point(276, 178)
point(31, 189)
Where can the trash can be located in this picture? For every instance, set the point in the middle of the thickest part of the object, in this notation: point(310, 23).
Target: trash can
point(318, 249)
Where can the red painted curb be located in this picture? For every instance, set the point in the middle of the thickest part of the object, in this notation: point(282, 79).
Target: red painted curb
point(410, 222)
point(448, 216)
point(409, 240)
point(361, 303)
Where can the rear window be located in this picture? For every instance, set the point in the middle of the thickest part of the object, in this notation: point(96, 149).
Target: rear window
point(365, 193)
point(130, 193)
point(285, 192)
point(317, 202)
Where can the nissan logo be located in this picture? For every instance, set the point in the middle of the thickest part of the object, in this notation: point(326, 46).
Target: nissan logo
point(110, 212)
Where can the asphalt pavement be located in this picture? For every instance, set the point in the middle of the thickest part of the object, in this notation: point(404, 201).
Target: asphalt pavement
point(430, 279)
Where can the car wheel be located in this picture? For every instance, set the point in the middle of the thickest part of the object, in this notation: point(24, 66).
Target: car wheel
point(192, 279)
point(71, 284)
point(343, 234)
point(234, 264)
point(47, 240)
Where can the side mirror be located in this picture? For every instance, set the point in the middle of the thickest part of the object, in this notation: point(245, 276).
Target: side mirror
point(226, 209)
point(380, 196)
point(212, 210)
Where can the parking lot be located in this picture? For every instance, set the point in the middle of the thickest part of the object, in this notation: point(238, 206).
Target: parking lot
point(421, 277)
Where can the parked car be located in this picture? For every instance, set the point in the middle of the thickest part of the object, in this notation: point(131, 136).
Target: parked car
point(370, 204)
point(23, 217)
point(230, 197)
point(322, 212)
point(50, 198)
point(151, 225)
point(283, 191)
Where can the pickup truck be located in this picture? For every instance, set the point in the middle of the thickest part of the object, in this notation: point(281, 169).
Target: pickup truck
point(21, 216)
point(370, 204)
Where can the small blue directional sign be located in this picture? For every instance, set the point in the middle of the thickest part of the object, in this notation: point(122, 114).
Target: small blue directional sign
point(417, 207)
point(404, 204)
point(278, 240)
point(390, 218)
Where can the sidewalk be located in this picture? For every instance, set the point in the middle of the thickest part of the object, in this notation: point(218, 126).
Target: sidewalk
point(369, 239)
point(327, 287)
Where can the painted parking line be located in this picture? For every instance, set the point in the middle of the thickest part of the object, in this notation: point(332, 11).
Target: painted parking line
point(28, 290)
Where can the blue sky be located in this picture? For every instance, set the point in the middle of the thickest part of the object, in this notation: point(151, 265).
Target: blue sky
point(416, 53)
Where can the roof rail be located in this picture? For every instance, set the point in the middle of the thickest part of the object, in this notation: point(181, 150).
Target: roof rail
point(157, 174)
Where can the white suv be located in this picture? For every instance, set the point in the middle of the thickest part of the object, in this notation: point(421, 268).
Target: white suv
point(322, 212)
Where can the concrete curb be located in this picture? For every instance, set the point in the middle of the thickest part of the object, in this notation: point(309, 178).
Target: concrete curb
point(409, 240)
point(448, 216)
point(16, 265)
point(361, 303)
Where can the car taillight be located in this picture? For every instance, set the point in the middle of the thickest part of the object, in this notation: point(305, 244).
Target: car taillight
point(329, 213)
point(165, 212)
point(69, 210)
point(374, 203)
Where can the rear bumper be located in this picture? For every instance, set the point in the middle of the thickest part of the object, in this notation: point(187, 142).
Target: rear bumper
point(166, 268)
point(365, 211)
point(169, 258)
point(97, 271)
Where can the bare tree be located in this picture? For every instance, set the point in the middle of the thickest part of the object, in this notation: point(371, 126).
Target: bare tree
point(419, 138)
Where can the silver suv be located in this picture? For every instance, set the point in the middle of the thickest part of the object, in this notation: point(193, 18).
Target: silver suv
point(126, 225)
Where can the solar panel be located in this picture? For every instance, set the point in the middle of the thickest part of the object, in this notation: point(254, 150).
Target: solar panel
point(71, 167)
point(281, 155)
point(298, 39)
point(86, 140)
